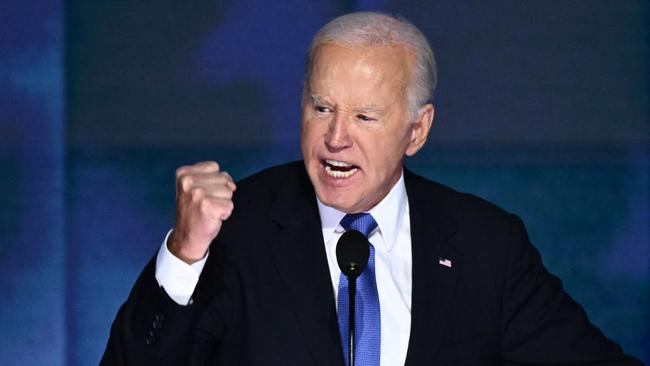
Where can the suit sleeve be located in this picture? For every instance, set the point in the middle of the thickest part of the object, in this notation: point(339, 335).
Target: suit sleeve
point(542, 324)
point(150, 328)
point(215, 334)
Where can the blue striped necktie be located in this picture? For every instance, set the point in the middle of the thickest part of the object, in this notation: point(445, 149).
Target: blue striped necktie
point(367, 318)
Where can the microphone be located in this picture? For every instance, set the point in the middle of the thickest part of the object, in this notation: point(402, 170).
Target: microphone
point(352, 253)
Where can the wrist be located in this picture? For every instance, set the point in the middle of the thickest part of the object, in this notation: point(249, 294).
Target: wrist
point(184, 250)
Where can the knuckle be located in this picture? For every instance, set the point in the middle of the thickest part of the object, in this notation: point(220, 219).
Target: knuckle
point(213, 165)
point(205, 206)
point(220, 179)
point(230, 207)
point(210, 166)
point(186, 182)
point(227, 177)
point(181, 171)
point(197, 193)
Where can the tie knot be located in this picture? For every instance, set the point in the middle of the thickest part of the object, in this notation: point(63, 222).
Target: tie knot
point(362, 222)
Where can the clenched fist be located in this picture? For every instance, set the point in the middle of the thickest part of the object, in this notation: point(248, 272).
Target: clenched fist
point(203, 202)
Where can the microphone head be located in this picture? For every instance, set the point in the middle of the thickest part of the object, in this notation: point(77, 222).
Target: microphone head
point(352, 252)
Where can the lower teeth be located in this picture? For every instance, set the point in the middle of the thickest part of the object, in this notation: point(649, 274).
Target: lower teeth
point(339, 173)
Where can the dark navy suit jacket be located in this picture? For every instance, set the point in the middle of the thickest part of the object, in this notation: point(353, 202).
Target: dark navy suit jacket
point(265, 296)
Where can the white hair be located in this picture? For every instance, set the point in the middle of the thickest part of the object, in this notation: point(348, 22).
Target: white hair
point(364, 29)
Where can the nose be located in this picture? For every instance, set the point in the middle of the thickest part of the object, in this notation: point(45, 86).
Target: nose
point(338, 137)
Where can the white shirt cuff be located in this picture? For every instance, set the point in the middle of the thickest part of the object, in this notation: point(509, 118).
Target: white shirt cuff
point(177, 277)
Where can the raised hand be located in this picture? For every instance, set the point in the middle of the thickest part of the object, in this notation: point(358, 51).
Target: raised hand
point(203, 202)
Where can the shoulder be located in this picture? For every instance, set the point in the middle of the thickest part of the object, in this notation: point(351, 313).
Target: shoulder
point(472, 225)
point(448, 202)
point(486, 237)
point(262, 188)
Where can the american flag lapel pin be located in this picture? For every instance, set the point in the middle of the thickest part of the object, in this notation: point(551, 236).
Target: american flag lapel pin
point(445, 262)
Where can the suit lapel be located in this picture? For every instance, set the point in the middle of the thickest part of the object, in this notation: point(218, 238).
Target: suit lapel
point(433, 281)
point(299, 254)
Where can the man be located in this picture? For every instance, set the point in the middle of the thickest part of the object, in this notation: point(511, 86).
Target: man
point(451, 278)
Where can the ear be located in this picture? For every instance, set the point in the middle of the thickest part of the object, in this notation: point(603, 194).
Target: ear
point(420, 129)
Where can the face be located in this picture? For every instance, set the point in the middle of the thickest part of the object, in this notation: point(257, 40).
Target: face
point(355, 124)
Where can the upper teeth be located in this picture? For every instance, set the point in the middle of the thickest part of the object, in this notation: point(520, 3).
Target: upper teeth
point(339, 173)
point(337, 163)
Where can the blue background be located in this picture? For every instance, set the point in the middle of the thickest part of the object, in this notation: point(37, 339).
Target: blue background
point(542, 108)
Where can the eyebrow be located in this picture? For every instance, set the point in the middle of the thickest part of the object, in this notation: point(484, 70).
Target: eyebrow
point(317, 99)
point(369, 109)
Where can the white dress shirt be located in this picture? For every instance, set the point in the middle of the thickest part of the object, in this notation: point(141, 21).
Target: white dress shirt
point(393, 262)
point(392, 242)
point(177, 277)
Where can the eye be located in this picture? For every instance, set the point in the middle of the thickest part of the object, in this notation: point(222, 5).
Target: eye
point(364, 118)
point(321, 109)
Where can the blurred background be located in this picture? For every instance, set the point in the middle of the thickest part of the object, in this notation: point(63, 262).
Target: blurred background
point(542, 108)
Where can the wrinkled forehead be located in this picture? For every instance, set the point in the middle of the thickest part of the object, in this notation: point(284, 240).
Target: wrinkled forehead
point(383, 66)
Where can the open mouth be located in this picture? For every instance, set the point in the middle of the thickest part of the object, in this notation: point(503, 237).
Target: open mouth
point(339, 169)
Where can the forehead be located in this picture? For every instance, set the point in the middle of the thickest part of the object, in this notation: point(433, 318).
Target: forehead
point(347, 71)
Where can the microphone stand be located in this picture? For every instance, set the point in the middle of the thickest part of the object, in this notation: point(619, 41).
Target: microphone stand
point(352, 253)
point(352, 291)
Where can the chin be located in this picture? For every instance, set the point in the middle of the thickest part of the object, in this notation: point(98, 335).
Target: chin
point(347, 202)
point(341, 202)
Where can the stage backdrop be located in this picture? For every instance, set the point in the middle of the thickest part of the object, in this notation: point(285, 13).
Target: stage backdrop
point(542, 108)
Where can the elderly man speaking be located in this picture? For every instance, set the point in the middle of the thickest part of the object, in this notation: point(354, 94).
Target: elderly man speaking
point(250, 274)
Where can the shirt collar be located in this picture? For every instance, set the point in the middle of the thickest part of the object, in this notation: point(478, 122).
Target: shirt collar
point(388, 214)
